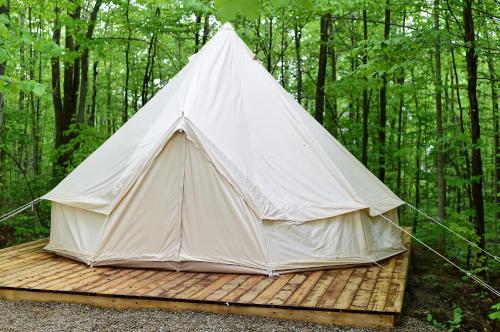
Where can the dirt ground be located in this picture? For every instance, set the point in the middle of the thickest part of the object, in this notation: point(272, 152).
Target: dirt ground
point(436, 289)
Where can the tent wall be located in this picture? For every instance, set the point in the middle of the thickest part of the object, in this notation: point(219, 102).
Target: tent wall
point(74, 232)
point(352, 238)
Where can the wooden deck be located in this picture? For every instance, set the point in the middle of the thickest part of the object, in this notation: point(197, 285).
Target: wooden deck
point(367, 296)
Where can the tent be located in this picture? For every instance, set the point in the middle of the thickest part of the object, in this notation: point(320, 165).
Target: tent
point(223, 171)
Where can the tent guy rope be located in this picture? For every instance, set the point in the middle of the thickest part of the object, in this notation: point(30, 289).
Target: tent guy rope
point(18, 210)
point(466, 272)
point(455, 233)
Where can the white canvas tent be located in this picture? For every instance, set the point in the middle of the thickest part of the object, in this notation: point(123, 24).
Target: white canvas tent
point(222, 170)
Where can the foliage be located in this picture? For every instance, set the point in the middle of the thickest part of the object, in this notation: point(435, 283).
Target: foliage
point(495, 314)
point(451, 325)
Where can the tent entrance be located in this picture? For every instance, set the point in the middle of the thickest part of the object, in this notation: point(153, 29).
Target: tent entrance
point(183, 210)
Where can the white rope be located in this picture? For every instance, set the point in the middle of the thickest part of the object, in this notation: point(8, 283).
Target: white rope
point(18, 210)
point(467, 273)
point(452, 231)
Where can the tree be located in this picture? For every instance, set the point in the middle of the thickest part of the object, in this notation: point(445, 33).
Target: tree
point(366, 101)
point(321, 77)
point(439, 126)
point(382, 120)
point(4, 10)
point(85, 62)
point(477, 164)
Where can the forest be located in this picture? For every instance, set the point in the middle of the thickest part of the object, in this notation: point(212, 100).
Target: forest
point(410, 88)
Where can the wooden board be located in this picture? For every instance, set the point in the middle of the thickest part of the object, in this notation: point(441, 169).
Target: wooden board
point(366, 296)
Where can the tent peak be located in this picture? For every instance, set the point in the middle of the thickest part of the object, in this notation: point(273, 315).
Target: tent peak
point(227, 26)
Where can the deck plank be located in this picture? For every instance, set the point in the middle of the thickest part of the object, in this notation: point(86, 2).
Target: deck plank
point(399, 279)
point(47, 280)
point(317, 292)
point(175, 279)
point(199, 286)
point(248, 284)
point(27, 269)
point(77, 278)
point(273, 289)
point(219, 282)
point(286, 291)
point(163, 276)
point(142, 280)
point(105, 279)
point(300, 294)
point(179, 288)
point(113, 281)
point(379, 294)
point(15, 248)
point(258, 288)
point(345, 297)
point(26, 277)
point(24, 259)
point(227, 288)
point(336, 287)
point(365, 290)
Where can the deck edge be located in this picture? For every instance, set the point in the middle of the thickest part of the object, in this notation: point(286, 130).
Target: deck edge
point(340, 317)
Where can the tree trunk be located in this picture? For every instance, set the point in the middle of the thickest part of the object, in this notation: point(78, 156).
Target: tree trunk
point(282, 50)
point(94, 94)
point(56, 83)
point(149, 64)
point(37, 150)
point(439, 128)
point(270, 45)
point(366, 105)
point(127, 65)
point(320, 81)
point(70, 92)
point(401, 82)
point(22, 67)
point(85, 63)
point(4, 10)
point(65, 108)
point(462, 126)
point(206, 28)
point(417, 173)
point(496, 141)
point(109, 93)
point(298, 61)
point(383, 101)
point(477, 165)
point(333, 64)
point(196, 33)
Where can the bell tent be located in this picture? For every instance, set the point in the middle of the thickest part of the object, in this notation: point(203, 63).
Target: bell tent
point(223, 171)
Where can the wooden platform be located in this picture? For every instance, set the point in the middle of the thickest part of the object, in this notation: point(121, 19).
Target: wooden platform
point(368, 296)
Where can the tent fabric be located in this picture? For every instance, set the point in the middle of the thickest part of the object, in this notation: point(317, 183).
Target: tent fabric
point(222, 169)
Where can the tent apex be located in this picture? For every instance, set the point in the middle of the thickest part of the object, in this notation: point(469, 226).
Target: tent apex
point(227, 26)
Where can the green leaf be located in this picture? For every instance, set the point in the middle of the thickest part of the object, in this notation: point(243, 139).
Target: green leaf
point(4, 55)
point(4, 19)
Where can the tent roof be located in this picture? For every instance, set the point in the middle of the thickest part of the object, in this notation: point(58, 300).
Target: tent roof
point(283, 162)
